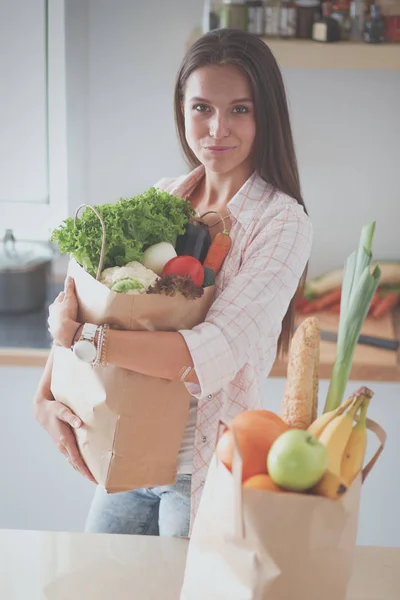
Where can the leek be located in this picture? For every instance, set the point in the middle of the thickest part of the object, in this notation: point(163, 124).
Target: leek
point(358, 288)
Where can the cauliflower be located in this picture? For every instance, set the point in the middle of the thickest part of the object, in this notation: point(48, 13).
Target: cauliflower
point(132, 278)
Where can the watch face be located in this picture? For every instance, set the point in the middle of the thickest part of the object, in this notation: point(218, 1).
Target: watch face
point(85, 350)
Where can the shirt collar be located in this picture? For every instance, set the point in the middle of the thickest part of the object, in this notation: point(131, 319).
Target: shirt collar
point(243, 204)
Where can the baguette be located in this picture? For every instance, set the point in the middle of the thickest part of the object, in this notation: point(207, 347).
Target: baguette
point(300, 397)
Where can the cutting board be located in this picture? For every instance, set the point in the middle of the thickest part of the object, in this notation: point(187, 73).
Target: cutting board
point(368, 362)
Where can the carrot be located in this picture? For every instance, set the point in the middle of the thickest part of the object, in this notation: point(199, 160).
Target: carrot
point(218, 251)
point(335, 308)
point(324, 301)
point(375, 300)
point(385, 304)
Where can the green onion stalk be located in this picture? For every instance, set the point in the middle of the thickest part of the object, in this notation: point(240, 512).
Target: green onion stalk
point(358, 288)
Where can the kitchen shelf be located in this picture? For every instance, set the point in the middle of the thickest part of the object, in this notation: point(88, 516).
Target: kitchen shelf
point(307, 54)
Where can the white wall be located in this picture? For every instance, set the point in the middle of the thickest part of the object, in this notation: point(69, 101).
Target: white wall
point(122, 61)
point(40, 490)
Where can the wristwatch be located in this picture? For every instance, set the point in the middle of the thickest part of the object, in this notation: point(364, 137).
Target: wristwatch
point(85, 348)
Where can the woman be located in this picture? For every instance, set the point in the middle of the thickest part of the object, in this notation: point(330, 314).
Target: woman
point(233, 124)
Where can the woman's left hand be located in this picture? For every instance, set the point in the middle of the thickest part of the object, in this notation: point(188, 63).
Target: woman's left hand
point(63, 315)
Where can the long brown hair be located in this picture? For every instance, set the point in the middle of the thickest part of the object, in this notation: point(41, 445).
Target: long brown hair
point(274, 154)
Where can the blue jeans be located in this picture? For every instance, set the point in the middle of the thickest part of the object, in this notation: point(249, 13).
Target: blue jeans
point(162, 510)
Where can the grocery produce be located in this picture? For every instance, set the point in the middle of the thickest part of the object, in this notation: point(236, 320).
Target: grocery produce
point(354, 454)
point(156, 256)
point(323, 284)
point(132, 278)
point(218, 251)
point(209, 277)
point(262, 482)
point(255, 432)
point(330, 486)
point(185, 265)
point(300, 396)
point(358, 288)
point(337, 432)
point(297, 460)
point(195, 241)
point(322, 421)
point(176, 285)
point(131, 225)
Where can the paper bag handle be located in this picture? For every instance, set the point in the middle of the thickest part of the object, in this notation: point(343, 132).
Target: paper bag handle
point(103, 241)
point(237, 467)
point(381, 435)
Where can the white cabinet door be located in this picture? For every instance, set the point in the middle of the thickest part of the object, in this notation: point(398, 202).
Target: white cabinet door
point(33, 151)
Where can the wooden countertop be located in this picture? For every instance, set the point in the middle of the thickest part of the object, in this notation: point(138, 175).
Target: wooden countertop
point(369, 364)
point(60, 566)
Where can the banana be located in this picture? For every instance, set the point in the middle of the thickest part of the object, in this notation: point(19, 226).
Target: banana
point(354, 454)
point(330, 485)
point(317, 426)
point(336, 434)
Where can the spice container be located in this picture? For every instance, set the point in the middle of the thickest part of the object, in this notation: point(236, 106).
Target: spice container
point(307, 13)
point(255, 17)
point(272, 16)
point(233, 15)
point(287, 22)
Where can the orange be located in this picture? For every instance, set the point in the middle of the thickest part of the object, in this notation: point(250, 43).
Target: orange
point(262, 482)
point(256, 430)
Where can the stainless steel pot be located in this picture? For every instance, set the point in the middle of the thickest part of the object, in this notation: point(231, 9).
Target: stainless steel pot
point(24, 272)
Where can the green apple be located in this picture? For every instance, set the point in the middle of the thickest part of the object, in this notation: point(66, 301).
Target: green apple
point(296, 460)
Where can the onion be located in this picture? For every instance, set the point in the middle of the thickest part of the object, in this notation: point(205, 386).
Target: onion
point(156, 256)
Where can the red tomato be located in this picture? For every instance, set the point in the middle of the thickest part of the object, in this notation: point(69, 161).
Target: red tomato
point(185, 265)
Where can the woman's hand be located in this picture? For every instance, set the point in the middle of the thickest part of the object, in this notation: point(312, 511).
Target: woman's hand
point(63, 315)
point(59, 421)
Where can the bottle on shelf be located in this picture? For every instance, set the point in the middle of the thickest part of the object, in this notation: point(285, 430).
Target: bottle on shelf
point(374, 28)
point(357, 20)
point(255, 17)
point(288, 14)
point(326, 29)
point(272, 18)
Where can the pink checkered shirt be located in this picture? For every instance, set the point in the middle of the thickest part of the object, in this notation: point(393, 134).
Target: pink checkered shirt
point(235, 348)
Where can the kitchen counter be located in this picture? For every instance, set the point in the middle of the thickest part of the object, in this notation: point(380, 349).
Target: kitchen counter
point(39, 565)
point(25, 341)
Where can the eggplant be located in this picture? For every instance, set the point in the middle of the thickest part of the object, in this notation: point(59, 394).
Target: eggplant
point(194, 242)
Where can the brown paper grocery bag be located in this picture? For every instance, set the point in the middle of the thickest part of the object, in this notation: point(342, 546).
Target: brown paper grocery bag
point(133, 423)
point(257, 545)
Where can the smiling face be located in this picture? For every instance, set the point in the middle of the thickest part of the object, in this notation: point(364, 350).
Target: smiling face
point(219, 118)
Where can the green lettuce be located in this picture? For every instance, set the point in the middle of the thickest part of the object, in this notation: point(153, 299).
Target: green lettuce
point(131, 224)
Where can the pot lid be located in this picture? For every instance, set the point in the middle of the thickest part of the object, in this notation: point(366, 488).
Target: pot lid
point(20, 255)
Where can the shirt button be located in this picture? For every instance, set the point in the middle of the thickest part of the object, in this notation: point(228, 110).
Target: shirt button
point(209, 396)
point(204, 438)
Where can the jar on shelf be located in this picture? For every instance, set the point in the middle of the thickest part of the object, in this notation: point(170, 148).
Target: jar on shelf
point(288, 18)
point(308, 11)
point(271, 18)
point(255, 17)
point(233, 14)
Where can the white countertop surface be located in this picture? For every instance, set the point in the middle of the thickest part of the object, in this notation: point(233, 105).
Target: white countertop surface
point(38, 565)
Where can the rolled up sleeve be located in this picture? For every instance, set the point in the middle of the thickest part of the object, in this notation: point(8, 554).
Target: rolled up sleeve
point(249, 311)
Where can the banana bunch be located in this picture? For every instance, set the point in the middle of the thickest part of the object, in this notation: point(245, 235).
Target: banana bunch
point(344, 441)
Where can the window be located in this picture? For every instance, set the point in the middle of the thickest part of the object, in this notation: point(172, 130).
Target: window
point(33, 150)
